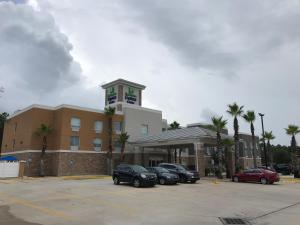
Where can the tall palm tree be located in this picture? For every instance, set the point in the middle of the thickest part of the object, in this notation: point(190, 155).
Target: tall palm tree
point(250, 118)
point(235, 111)
point(174, 126)
point(227, 144)
point(43, 131)
point(123, 138)
point(293, 130)
point(269, 136)
point(218, 125)
point(109, 112)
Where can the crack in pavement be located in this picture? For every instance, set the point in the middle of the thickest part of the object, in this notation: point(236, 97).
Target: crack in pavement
point(275, 211)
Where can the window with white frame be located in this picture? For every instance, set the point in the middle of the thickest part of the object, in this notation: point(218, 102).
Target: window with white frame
point(98, 126)
point(97, 144)
point(144, 129)
point(118, 127)
point(74, 142)
point(75, 124)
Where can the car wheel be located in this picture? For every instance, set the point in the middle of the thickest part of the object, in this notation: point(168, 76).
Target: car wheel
point(116, 181)
point(263, 181)
point(235, 179)
point(136, 183)
point(193, 181)
point(162, 181)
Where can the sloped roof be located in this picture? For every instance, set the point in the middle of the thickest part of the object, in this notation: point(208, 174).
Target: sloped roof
point(178, 134)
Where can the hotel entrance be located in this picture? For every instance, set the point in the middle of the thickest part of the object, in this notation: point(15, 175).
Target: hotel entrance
point(154, 161)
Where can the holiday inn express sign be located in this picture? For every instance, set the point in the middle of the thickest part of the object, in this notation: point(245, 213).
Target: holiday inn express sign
point(130, 96)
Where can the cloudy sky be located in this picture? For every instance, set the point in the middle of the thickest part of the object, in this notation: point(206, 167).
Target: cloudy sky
point(194, 56)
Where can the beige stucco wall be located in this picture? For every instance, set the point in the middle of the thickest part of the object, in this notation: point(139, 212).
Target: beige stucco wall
point(135, 117)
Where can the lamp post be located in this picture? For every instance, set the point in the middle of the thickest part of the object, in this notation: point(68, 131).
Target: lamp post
point(263, 132)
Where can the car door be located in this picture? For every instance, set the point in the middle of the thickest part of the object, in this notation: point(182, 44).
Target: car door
point(256, 176)
point(246, 176)
point(124, 172)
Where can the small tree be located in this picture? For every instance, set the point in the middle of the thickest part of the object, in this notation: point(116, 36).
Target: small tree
point(218, 125)
point(123, 138)
point(43, 131)
point(109, 112)
point(293, 130)
point(3, 117)
point(227, 144)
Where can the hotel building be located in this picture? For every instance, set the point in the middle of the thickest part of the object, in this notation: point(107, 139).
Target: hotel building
point(78, 143)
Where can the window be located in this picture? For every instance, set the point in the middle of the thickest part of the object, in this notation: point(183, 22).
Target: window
point(97, 144)
point(117, 146)
point(75, 124)
point(98, 126)
point(144, 129)
point(74, 142)
point(118, 127)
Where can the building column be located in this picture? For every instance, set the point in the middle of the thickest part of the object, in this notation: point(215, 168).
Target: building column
point(199, 158)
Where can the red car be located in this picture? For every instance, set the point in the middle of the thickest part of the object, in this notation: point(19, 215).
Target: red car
point(256, 175)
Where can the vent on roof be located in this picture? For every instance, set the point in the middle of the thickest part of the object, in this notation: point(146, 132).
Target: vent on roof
point(235, 221)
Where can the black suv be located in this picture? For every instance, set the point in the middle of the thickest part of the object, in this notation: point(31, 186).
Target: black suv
point(163, 175)
point(284, 169)
point(134, 174)
point(183, 173)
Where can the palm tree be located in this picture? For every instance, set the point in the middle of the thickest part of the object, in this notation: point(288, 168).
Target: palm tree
point(43, 131)
point(293, 130)
point(109, 112)
point(218, 125)
point(174, 126)
point(227, 143)
point(250, 118)
point(235, 111)
point(123, 138)
point(269, 136)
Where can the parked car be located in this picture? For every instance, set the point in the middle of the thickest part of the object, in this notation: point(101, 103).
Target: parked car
point(163, 175)
point(266, 168)
point(284, 169)
point(134, 174)
point(182, 172)
point(256, 175)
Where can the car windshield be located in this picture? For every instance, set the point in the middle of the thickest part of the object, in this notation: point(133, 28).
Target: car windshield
point(181, 167)
point(161, 170)
point(139, 169)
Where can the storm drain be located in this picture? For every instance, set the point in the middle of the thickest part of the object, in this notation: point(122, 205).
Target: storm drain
point(235, 221)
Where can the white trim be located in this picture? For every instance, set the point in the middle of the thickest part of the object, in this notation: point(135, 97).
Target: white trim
point(122, 81)
point(126, 105)
point(58, 107)
point(52, 151)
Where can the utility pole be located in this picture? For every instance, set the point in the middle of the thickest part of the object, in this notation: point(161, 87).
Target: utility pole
point(263, 133)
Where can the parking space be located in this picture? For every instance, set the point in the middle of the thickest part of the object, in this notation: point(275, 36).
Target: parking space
point(50, 201)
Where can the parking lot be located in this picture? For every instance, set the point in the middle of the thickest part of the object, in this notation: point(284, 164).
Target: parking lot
point(97, 201)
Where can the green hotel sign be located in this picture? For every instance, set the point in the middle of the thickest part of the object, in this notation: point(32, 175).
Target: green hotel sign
point(130, 97)
point(111, 95)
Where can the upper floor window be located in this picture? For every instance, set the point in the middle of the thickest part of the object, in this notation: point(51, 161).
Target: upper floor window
point(144, 129)
point(75, 124)
point(97, 144)
point(74, 142)
point(98, 126)
point(118, 127)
